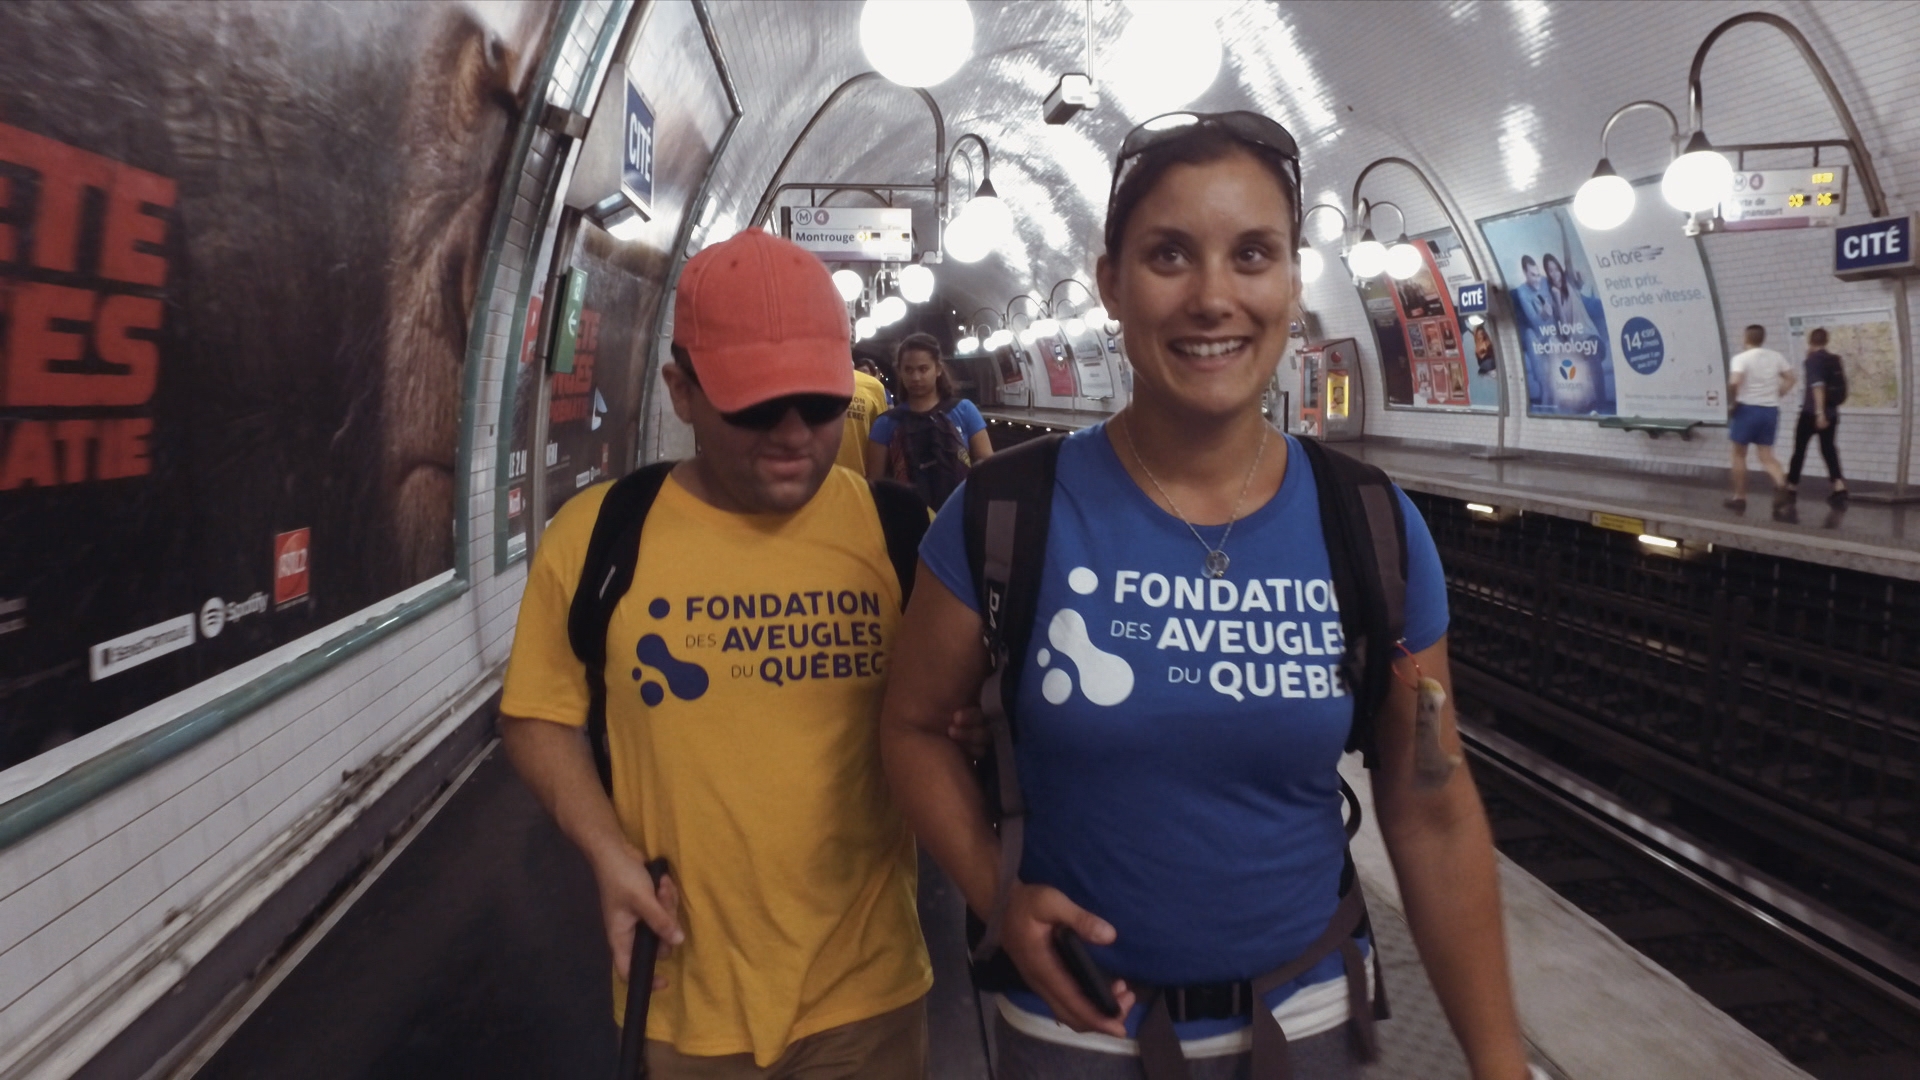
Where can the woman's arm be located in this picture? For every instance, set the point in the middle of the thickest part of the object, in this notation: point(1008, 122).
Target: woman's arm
point(876, 461)
point(1442, 850)
point(979, 447)
point(935, 670)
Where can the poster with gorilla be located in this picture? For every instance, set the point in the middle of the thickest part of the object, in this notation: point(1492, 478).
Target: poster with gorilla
point(239, 250)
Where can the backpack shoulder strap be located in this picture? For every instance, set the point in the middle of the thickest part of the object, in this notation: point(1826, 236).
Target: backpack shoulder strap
point(1361, 519)
point(612, 554)
point(904, 521)
point(1009, 499)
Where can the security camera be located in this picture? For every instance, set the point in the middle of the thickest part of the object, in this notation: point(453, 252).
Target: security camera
point(1071, 94)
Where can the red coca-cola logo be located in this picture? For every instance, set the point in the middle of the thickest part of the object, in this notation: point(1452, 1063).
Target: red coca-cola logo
point(290, 566)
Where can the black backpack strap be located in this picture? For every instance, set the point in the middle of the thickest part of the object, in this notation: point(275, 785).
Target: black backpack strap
point(1361, 518)
point(904, 521)
point(612, 553)
point(1009, 500)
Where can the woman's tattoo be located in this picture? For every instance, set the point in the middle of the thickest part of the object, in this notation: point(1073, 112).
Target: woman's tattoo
point(1433, 764)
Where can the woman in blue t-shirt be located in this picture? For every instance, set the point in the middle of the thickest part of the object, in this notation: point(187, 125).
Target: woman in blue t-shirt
point(1181, 710)
point(932, 438)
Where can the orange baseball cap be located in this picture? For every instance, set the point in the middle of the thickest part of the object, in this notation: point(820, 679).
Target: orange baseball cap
point(761, 319)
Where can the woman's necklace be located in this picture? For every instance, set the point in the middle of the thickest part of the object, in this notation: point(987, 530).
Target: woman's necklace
point(1217, 561)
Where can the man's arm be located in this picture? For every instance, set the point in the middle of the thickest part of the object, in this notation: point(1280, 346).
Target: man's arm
point(554, 761)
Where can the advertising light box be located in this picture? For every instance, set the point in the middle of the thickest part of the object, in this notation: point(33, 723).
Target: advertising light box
point(1613, 323)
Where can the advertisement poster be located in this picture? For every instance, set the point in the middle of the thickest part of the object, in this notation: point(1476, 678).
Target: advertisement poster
point(1429, 357)
point(1090, 364)
point(1048, 352)
point(1013, 377)
point(234, 335)
point(1868, 351)
point(520, 444)
point(593, 411)
point(1616, 323)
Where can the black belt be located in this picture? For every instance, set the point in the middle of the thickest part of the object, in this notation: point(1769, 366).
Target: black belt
point(1210, 1001)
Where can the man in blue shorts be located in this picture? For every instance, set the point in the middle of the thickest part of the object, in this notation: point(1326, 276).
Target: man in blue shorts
point(1756, 380)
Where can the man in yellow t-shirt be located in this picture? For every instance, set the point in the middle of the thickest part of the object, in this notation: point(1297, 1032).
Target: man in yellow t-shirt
point(744, 675)
point(869, 401)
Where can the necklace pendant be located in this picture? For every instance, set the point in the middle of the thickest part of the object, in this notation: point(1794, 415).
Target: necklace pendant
point(1217, 562)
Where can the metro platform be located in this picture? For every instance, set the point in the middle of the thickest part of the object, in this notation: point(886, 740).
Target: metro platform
point(1862, 534)
point(474, 950)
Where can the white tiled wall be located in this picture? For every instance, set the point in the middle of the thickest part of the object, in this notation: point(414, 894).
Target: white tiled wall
point(79, 896)
point(1502, 104)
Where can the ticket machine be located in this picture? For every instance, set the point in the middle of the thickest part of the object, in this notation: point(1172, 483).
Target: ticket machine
point(1332, 402)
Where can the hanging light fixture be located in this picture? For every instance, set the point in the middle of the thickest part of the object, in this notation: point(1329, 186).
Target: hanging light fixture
point(1075, 327)
point(1028, 336)
point(1168, 55)
point(916, 283)
point(1605, 200)
point(988, 216)
point(1311, 264)
point(966, 345)
point(1403, 260)
point(1368, 258)
point(916, 42)
point(999, 339)
point(889, 310)
point(1699, 179)
point(849, 284)
point(864, 328)
point(1044, 327)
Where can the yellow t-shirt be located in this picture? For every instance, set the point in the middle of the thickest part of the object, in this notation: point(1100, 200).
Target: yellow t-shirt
point(744, 674)
point(869, 401)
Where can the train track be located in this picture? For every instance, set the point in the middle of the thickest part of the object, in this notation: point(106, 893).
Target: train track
point(1838, 999)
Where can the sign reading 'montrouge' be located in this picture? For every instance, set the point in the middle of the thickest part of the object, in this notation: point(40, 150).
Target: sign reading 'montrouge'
point(851, 233)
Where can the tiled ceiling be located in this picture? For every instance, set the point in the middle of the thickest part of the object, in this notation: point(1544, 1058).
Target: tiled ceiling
point(1501, 103)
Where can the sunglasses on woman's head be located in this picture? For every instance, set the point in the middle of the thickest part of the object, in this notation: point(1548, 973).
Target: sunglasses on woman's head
point(814, 410)
point(1247, 127)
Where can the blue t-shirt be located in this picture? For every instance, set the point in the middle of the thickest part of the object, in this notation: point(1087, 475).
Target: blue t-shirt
point(964, 414)
point(1179, 736)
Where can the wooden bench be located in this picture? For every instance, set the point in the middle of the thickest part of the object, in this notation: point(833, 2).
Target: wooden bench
point(1652, 426)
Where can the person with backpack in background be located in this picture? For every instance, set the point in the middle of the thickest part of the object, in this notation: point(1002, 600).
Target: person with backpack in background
point(1174, 622)
point(720, 628)
point(1820, 413)
point(932, 438)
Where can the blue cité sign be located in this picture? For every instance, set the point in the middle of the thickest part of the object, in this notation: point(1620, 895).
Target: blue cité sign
point(1471, 299)
point(1874, 249)
point(636, 154)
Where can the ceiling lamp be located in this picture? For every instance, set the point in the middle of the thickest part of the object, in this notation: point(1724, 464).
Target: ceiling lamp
point(916, 283)
point(1167, 56)
point(1311, 264)
point(1097, 316)
point(1075, 327)
point(889, 310)
point(1044, 327)
point(1699, 179)
point(989, 216)
point(864, 328)
point(916, 42)
point(965, 240)
point(999, 339)
point(1605, 200)
point(966, 345)
point(1403, 260)
point(1028, 336)
point(1368, 258)
point(849, 284)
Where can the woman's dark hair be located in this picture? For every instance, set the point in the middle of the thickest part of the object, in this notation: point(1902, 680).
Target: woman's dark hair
point(1548, 264)
point(1202, 145)
point(926, 343)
